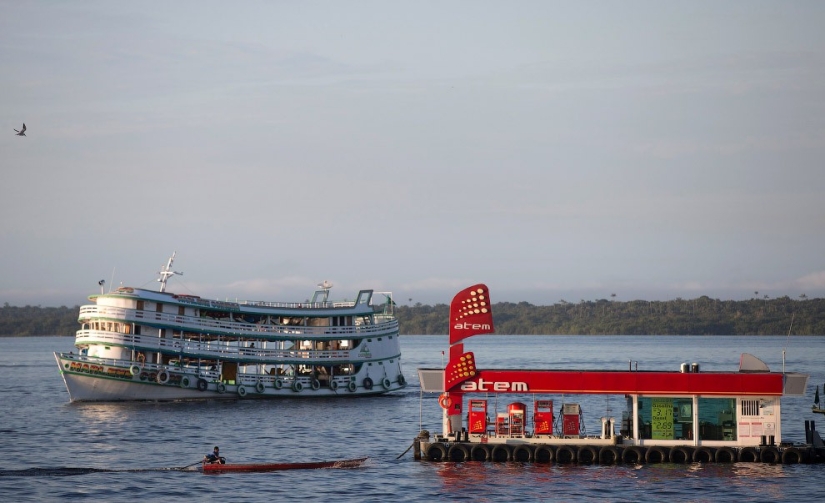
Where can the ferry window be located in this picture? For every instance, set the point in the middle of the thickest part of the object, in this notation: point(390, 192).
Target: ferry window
point(181, 310)
point(140, 305)
point(716, 418)
point(159, 307)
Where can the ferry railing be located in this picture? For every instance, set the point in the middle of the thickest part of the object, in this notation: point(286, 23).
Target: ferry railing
point(388, 324)
point(213, 349)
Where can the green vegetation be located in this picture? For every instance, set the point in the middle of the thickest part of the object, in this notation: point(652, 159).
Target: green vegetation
point(702, 316)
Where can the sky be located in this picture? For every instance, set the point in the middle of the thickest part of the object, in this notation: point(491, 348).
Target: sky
point(551, 150)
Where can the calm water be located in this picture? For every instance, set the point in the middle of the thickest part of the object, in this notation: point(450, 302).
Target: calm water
point(55, 445)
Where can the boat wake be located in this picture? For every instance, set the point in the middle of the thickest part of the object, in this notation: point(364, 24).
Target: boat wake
point(68, 471)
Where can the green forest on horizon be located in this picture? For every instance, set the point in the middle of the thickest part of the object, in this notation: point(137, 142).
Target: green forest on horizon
point(700, 316)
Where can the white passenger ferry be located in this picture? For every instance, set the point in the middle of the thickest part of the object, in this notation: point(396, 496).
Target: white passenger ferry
point(138, 344)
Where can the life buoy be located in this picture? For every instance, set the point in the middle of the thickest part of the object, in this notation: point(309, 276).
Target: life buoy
point(259, 387)
point(221, 387)
point(184, 383)
point(162, 377)
point(315, 384)
point(352, 386)
point(445, 401)
point(386, 383)
point(297, 386)
point(367, 383)
point(202, 384)
point(135, 370)
point(278, 384)
point(401, 379)
point(241, 391)
point(333, 385)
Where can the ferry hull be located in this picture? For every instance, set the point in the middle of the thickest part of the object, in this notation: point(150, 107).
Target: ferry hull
point(104, 383)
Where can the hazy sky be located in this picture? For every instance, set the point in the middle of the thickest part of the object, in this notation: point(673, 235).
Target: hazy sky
point(553, 150)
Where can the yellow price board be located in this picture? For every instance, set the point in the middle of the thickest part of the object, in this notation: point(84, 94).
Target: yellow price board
point(662, 419)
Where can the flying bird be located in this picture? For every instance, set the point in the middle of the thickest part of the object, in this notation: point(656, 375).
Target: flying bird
point(22, 132)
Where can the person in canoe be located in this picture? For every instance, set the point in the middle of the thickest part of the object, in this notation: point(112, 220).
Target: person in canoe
point(214, 457)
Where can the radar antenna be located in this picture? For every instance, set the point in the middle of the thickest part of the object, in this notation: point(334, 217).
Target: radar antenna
point(167, 271)
point(326, 285)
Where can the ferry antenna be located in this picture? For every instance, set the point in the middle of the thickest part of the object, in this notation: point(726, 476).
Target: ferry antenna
point(167, 271)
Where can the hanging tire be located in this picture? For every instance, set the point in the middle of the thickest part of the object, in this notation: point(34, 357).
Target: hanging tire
point(544, 454)
point(241, 391)
point(333, 385)
point(681, 455)
point(221, 387)
point(769, 455)
point(202, 384)
point(386, 383)
point(458, 453)
point(566, 454)
point(135, 370)
point(656, 454)
point(480, 452)
point(523, 453)
point(747, 455)
point(587, 455)
point(634, 454)
point(436, 452)
point(725, 455)
point(259, 387)
point(704, 455)
point(500, 453)
point(367, 383)
point(297, 386)
point(162, 377)
point(792, 456)
point(352, 386)
point(401, 381)
point(609, 455)
point(315, 384)
point(278, 384)
point(184, 383)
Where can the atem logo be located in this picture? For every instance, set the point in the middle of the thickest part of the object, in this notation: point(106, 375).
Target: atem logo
point(483, 385)
point(472, 326)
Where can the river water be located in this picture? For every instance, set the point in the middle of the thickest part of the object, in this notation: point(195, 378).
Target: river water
point(57, 451)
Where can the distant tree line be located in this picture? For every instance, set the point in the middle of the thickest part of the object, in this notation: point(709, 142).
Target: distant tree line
point(700, 316)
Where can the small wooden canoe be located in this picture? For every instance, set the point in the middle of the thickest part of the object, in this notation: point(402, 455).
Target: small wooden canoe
point(274, 467)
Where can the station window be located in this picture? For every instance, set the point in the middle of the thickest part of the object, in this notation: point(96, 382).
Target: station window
point(665, 418)
point(716, 419)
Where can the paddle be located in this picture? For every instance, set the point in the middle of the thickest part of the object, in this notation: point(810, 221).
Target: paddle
point(189, 466)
